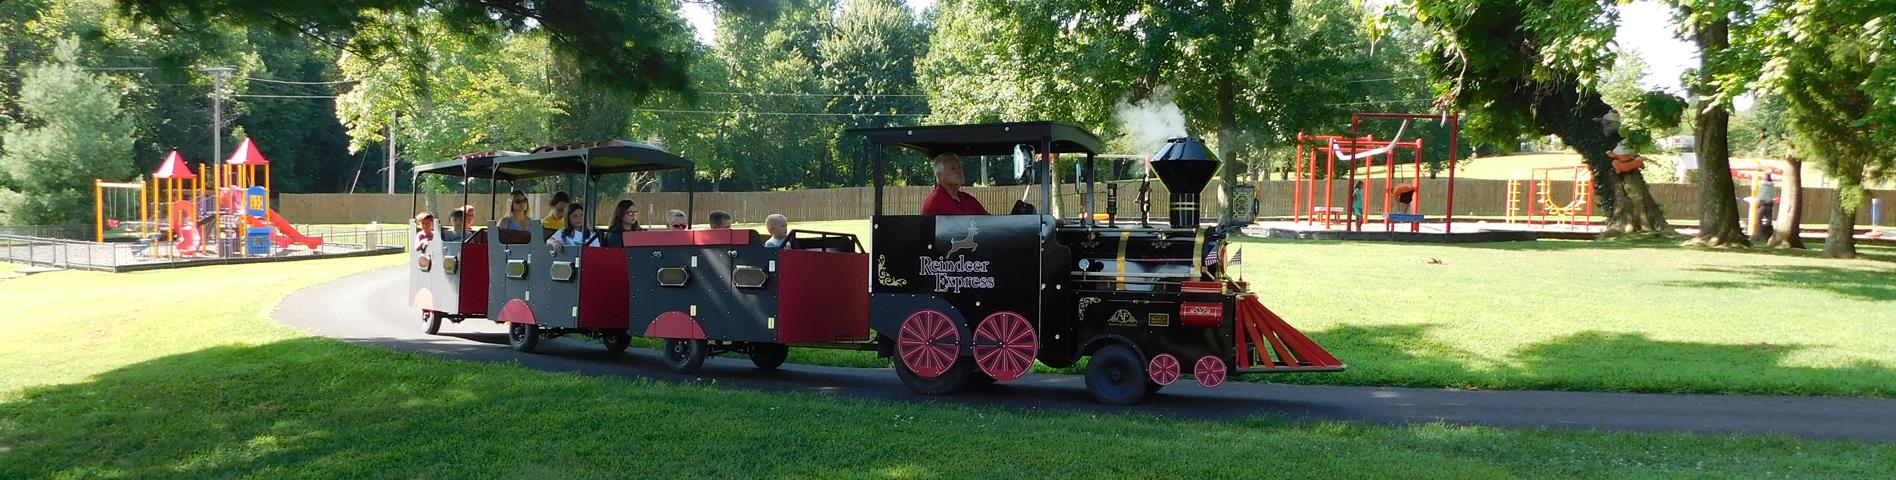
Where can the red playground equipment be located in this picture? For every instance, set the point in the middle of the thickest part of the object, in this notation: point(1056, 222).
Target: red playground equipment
point(1314, 195)
point(221, 209)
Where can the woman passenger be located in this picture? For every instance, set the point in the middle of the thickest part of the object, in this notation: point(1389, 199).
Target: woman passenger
point(625, 218)
point(517, 218)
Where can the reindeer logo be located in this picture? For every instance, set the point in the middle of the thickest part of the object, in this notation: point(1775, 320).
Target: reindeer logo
point(967, 243)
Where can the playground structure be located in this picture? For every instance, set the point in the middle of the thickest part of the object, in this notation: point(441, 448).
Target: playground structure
point(1539, 201)
point(221, 210)
point(1401, 195)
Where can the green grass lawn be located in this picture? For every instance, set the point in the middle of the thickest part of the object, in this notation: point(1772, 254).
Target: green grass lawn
point(1637, 316)
point(136, 376)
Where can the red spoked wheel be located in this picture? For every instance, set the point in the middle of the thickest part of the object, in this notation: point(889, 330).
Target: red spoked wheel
point(928, 343)
point(1005, 345)
point(1210, 371)
point(1163, 369)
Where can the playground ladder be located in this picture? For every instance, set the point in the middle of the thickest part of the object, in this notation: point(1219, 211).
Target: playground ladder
point(1514, 199)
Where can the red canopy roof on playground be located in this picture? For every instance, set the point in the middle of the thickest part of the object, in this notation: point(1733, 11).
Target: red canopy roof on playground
point(174, 167)
point(247, 154)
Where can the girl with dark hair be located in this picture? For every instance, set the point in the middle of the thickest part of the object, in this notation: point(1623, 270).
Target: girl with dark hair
point(625, 218)
point(576, 232)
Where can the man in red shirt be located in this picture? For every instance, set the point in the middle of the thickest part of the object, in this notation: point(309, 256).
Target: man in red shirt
point(948, 199)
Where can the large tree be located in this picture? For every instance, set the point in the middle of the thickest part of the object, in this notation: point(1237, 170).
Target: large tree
point(1531, 67)
point(1830, 62)
point(71, 131)
point(1711, 24)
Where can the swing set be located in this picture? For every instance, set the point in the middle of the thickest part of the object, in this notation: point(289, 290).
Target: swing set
point(1314, 194)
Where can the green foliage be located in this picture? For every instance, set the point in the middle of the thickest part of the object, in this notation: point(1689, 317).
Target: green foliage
point(471, 96)
point(72, 131)
point(639, 46)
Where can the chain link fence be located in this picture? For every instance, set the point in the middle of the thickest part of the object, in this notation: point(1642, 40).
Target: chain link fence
point(64, 247)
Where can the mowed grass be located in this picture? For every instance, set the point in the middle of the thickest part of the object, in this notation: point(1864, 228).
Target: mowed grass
point(1634, 316)
point(112, 376)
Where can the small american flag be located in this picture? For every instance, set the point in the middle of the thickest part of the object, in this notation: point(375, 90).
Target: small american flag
point(1236, 258)
point(1213, 254)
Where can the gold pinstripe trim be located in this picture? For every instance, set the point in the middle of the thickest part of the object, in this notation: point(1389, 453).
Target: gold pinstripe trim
point(1121, 264)
point(1198, 259)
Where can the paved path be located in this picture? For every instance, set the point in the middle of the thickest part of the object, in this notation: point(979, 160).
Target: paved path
point(369, 308)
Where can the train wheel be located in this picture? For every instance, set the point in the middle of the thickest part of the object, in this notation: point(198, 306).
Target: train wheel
point(432, 319)
point(685, 356)
point(929, 343)
point(1210, 371)
point(768, 356)
point(1115, 376)
point(1004, 346)
point(1163, 369)
point(523, 336)
point(959, 376)
point(616, 341)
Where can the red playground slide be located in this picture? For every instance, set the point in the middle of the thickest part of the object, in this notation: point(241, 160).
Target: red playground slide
point(287, 234)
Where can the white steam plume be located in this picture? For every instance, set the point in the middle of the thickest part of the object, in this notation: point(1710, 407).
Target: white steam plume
point(1149, 123)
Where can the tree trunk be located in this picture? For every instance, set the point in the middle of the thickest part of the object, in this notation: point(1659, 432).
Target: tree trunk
point(1227, 152)
point(1790, 210)
point(1634, 209)
point(1841, 240)
point(1718, 209)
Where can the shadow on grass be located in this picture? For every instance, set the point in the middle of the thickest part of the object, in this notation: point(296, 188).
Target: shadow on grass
point(1854, 283)
point(1865, 251)
point(1404, 355)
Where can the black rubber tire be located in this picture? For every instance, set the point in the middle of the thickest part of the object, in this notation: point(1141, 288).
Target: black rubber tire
point(616, 341)
point(1116, 376)
point(432, 320)
point(957, 378)
point(768, 356)
point(685, 356)
point(523, 337)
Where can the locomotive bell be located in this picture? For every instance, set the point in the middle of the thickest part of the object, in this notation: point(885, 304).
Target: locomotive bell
point(1185, 165)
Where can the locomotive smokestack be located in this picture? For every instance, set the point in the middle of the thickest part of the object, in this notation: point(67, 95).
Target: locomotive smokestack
point(1185, 165)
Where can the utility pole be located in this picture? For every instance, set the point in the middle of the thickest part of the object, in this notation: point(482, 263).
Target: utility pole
point(218, 75)
point(391, 152)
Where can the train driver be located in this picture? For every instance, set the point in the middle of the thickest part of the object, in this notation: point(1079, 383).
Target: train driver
point(947, 198)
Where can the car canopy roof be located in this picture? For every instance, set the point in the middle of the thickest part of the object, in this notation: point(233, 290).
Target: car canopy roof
point(598, 158)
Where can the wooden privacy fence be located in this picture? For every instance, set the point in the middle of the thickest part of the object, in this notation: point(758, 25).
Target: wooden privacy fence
point(1485, 198)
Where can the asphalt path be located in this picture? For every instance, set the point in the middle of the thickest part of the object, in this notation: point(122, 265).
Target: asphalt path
point(370, 308)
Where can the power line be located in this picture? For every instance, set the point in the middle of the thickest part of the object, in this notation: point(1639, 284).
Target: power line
point(23, 67)
point(1387, 79)
point(287, 82)
point(284, 96)
point(770, 94)
point(787, 114)
point(1377, 102)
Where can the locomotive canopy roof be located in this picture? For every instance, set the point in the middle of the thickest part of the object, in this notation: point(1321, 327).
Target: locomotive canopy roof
point(985, 138)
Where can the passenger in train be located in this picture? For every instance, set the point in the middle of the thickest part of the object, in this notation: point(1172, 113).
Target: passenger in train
point(517, 218)
point(675, 220)
point(625, 218)
point(424, 230)
point(720, 219)
point(577, 231)
point(556, 213)
point(779, 228)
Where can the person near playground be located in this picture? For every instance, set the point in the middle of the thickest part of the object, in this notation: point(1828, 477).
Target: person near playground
point(1405, 198)
point(625, 218)
point(947, 197)
point(556, 215)
point(675, 220)
point(720, 219)
point(576, 231)
point(1767, 209)
point(1356, 202)
point(517, 218)
point(779, 228)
